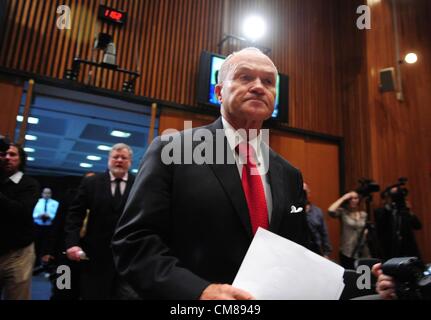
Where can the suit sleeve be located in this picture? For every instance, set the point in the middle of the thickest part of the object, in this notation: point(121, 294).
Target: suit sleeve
point(141, 240)
point(76, 213)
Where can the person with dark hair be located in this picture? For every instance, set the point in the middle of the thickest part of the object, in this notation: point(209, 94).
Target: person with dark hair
point(353, 244)
point(18, 196)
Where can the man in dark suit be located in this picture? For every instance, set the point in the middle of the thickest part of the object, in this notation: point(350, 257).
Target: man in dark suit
point(103, 196)
point(18, 196)
point(188, 224)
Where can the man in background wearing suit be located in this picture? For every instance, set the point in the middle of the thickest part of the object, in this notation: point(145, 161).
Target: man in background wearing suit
point(187, 226)
point(104, 195)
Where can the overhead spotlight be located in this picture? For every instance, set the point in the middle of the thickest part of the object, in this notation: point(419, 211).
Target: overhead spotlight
point(30, 137)
point(102, 147)
point(30, 159)
point(29, 150)
point(120, 134)
point(110, 55)
point(129, 86)
point(134, 170)
point(102, 41)
point(254, 28)
point(411, 58)
point(105, 42)
point(72, 74)
point(94, 158)
point(31, 120)
point(85, 165)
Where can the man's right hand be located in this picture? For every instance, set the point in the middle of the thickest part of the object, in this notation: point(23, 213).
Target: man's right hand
point(224, 292)
point(73, 253)
point(385, 286)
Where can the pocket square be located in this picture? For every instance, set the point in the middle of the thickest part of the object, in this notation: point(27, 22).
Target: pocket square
point(293, 209)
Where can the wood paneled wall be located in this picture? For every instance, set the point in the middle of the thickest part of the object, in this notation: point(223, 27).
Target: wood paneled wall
point(387, 138)
point(318, 162)
point(10, 95)
point(163, 40)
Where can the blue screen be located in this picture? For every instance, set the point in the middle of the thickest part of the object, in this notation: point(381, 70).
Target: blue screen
point(216, 63)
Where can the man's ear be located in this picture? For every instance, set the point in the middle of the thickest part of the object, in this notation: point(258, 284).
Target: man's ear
point(218, 89)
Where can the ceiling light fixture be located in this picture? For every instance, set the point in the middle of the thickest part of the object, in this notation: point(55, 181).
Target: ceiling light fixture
point(102, 147)
point(120, 134)
point(29, 150)
point(411, 58)
point(94, 158)
point(30, 137)
point(31, 120)
point(254, 28)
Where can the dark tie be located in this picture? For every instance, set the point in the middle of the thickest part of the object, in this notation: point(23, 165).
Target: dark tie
point(117, 193)
point(253, 188)
point(46, 206)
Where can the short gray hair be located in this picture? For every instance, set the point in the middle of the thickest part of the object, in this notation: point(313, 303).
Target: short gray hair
point(224, 69)
point(119, 146)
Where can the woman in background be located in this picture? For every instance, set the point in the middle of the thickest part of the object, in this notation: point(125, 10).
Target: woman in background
point(353, 243)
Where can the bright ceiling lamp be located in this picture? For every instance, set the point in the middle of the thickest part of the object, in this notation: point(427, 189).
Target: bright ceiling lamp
point(254, 28)
point(411, 58)
point(120, 134)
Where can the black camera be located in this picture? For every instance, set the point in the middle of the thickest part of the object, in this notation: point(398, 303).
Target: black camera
point(412, 278)
point(366, 187)
point(397, 193)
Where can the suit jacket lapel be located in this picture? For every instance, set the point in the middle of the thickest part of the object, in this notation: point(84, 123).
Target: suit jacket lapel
point(229, 178)
point(129, 185)
point(278, 192)
point(107, 188)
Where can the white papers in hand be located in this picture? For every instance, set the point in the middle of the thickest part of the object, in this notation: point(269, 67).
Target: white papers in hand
point(275, 268)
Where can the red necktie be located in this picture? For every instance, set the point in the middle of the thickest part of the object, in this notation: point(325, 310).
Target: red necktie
point(253, 189)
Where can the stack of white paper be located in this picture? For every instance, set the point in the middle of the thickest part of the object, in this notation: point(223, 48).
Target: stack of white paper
point(275, 268)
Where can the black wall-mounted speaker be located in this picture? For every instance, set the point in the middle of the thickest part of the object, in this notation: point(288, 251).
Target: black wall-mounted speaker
point(387, 80)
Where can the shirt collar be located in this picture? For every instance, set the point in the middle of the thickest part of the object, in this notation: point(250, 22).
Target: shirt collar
point(124, 178)
point(16, 177)
point(234, 138)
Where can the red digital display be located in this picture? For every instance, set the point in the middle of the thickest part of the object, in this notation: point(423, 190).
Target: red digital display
point(112, 15)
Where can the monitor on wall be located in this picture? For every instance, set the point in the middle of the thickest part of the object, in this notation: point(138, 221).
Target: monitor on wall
point(209, 66)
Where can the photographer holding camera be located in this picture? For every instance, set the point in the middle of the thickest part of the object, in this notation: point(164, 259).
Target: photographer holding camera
point(396, 223)
point(353, 220)
point(403, 275)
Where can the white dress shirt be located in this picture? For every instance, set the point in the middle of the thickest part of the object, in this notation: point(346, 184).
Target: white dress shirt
point(123, 183)
point(39, 209)
point(16, 177)
point(234, 138)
